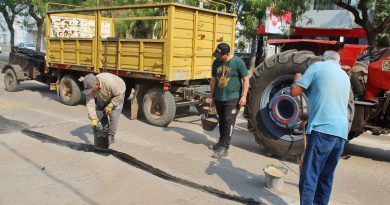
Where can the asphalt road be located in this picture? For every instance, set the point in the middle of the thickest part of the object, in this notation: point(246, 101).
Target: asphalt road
point(36, 171)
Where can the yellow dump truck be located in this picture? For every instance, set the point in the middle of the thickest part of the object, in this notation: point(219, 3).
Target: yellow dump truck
point(162, 50)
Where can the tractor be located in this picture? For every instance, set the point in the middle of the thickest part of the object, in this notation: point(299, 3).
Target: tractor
point(274, 116)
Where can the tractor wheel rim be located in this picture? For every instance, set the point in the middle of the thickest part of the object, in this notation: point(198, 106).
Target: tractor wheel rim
point(281, 112)
point(284, 109)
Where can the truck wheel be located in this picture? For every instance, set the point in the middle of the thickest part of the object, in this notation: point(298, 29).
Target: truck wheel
point(70, 90)
point(159, 107)
point(10, 81)
point(273, 113)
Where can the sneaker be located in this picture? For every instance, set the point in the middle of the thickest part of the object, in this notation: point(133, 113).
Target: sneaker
point(111, 139)
point(215, 146)
point(220, 152)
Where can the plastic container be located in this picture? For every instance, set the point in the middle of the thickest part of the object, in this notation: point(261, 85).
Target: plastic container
point(274, 177)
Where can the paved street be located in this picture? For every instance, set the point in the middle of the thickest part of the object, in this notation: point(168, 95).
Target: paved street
point(42, 172)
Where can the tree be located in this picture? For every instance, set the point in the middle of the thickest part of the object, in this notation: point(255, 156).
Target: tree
point(372, 15)
point(249, 15)
point(36, 9)
point(10, 10)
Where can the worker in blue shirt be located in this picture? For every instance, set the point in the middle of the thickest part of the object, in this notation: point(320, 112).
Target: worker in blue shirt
point(328, 88)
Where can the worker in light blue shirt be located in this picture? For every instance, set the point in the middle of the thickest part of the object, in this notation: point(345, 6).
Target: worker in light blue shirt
point(328, 87)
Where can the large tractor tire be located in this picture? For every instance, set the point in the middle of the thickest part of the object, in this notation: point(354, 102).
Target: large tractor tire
point(70, 90)
point(10, 81)
point(359, 79)
point(159, 107)
point(274, 116)
point(358, 84)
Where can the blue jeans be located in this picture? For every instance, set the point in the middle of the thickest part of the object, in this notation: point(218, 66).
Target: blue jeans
point(319, 163)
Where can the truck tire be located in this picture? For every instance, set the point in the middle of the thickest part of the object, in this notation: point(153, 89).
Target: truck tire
point(10, 82)
point(266, 85)
point(70, 90)
point(159, 107)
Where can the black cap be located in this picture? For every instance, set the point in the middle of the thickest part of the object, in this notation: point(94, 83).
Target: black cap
point(222, 49)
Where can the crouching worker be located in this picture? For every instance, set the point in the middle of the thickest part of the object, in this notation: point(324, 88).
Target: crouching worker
point(104, 101)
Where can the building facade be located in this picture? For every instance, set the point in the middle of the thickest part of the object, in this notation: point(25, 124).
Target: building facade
point(22, 33)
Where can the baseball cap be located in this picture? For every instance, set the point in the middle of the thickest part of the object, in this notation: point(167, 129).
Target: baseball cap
point(89, 82)
point(222, 49)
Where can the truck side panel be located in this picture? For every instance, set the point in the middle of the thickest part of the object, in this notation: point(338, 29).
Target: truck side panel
point(195, 34)
point(71, 51)
point(182, 52)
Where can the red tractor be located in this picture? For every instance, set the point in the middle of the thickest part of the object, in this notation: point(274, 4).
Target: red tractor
point(274, 116)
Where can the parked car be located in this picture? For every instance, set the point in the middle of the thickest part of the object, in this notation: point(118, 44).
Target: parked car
point(246, 57)
point(26, 45)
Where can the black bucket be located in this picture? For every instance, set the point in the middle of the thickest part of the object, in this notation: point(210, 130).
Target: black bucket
point(209, 122)
point(100, 139)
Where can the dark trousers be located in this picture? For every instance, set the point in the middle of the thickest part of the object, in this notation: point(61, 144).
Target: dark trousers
point(227, 112)
point(319, 163)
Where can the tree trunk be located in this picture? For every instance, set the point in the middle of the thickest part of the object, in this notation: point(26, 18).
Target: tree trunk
point(372, 41)
point(39, 38)
point(259, 53)
point(253, 53)
point(9, 19)
point(12, 40)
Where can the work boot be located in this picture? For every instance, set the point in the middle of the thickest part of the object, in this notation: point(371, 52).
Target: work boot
point(111, 139)
point(220, 152)
point(215, 146)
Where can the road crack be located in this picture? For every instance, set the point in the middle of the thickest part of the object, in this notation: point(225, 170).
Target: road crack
point(130, 160)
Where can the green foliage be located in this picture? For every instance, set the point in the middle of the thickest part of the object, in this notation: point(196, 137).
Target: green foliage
point(249, 14)
point(138, 28)
point(372, 15)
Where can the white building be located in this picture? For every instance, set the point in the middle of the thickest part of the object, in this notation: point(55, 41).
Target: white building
point(22, 34)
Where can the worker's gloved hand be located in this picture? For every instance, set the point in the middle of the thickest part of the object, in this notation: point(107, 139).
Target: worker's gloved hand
point(94, 123)
point(107, 110)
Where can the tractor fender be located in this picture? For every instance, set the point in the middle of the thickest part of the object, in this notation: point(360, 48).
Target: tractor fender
point(20, 74)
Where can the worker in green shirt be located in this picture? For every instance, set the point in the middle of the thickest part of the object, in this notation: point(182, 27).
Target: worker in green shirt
point(228, 88)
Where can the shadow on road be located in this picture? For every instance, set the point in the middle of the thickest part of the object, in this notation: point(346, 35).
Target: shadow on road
point(376, 154)
point(82, 132)
point(41, 88)
point(44, 91)
point(66, 185)
point(8, 126)
point(242, 138)
point(191, 136)
point(243, 182)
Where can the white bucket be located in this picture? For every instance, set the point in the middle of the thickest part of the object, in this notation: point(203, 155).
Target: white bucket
point(274, 177)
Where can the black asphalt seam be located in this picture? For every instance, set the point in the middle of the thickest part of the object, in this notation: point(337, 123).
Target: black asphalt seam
point(139, 164)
